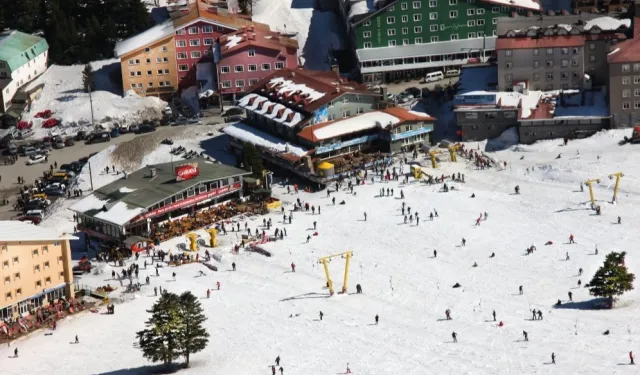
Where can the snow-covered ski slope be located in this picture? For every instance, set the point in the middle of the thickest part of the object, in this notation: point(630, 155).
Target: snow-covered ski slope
point(249, 318)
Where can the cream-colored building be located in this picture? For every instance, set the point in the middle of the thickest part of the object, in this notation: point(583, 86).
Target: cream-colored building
point(35, 267)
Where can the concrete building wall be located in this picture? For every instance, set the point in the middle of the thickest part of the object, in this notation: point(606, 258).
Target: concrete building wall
point(544, 68)
point(11, 81)
point(33, 268)
point(595, 61)
point(624, 94)
point(532, 131)
point(151, 70)
point(479, 125)
point(350, 105)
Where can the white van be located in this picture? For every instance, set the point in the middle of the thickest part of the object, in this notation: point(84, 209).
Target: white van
point(37, 213)
point(452, 73)
point(434, 77)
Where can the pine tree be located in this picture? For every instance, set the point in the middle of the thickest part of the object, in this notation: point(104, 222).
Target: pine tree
point(612, 279)
point(193, 336)
point(87, 78)
point(160, 341)
point(252, 160)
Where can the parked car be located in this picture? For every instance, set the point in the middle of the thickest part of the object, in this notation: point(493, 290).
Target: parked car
point(34, 219)
point(68, 142)
point(36, 159)
point(416, 92)
point(233, 118)
point(58, 144)
point(405, 97)
point(81, 135)
point(34, 205)
point(115, 133)
point(24, 134)
point(147, 128)
point(12, 149)
point(133, 128)
point(56, 185)
point(27, 150)
point(54, 192)
point(98, 138)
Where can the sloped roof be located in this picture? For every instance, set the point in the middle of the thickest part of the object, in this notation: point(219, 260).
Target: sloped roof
point(145, 38)
point(14, 230)
point(251, 36)
point(18, 48)
point(629, 50)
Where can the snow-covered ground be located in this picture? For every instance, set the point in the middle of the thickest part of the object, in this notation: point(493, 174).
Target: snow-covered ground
point(63, 94)
point(319, 29)
point(263, 310)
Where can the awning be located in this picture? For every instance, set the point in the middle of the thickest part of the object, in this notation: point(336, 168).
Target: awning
point(427, 49)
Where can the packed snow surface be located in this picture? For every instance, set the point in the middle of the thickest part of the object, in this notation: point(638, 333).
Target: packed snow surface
point(263, 310)
point(607, 23)
point(369, 120)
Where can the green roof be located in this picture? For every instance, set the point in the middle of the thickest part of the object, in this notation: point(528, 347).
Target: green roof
point(18, 48)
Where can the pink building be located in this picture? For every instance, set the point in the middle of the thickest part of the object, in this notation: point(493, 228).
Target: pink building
point(248, 55)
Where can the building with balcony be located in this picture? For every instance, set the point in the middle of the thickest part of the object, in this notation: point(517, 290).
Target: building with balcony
point(23, 57)
point(36, 267)
point(398, 39)
point(244, 57)
point(556, 52)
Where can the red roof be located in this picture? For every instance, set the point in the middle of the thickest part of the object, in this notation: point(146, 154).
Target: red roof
point(545, 42)
point(251, 36)
point(629, 50)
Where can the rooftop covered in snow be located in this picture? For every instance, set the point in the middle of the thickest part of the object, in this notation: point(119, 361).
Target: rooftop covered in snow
point(151, 35)
point(559, 25)
point(124, 199)
point(15, 230)
point(249, 134)
point(255, 37)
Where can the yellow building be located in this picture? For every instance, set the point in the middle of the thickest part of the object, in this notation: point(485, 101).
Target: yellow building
point(35, 267)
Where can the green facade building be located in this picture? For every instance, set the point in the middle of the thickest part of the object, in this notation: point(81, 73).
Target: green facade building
point(398, 39)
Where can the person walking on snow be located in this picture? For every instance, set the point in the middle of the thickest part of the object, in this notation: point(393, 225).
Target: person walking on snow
point(447, 312)
point(273, 370)
point(15, 352)
point(630, 358)
point(567, 258)
point(571, 239)
point(278, 361)
point(494, 315)
point(321, 315)
point(553, 358)
point(309, 237)
point(526, 335)
point(233, 266)
point(520, 290)
point(365, 216)
point(218, 284)
point(464, 242)
point(208, 293)
point(619, 220)
point(377, 319)
point(435, 253)
point(570, 296)
point(77, 341)
point(293, 267)
point(454, 336)
point(580, 272)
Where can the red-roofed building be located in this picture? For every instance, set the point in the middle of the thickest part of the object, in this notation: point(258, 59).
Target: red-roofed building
point(556, 52)
point(624, 82)
point(248, 55)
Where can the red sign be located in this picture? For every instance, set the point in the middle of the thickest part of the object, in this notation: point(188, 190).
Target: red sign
point(189, 201)
point(187, 171)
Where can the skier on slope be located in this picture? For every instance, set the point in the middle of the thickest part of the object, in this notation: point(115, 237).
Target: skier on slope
point(571, 241)
point(448, 314)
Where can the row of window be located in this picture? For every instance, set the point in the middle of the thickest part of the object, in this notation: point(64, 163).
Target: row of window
point(194, 42)
point(627, 93)
point(159, 60)
point(434, 16)
point(627, 105)
point(150, 84)
point(38, 284)
point(138, 73)
point(627, 80)
point(239, 83)
point(433, 39)
point(198, 189)
point(626, 68)
point(550, 63)
point(550, 76)
point(548, 51)
point(164, 49)
point(193, 54)
point(251, 67)
point(206, 29)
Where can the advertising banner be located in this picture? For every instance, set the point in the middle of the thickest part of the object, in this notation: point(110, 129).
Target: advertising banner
point(187, 171)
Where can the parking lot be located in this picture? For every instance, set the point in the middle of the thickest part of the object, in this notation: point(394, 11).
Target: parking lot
point(396, 89)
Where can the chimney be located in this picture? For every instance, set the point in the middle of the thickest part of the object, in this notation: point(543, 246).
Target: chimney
point(152, 172)
point(212, 9)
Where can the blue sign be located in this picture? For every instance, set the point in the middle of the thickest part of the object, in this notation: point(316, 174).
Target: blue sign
point(321, 115)
point(488, 99)
point(351, 142)
point(411, 133)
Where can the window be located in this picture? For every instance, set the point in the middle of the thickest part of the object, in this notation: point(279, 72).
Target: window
point(8, 295)
point(38, 284)
point(238, 68)
point(207, 29)
point(181, 43)
point(636, 105)
point(252, 67)
point(564, 75)
point(508, 64)
point(417, 41)
point(391, 20)
point(225, 69)
point(433, 3)
point(404, 6)
point(18, 292)
point(36, 268)
point(366, 23)
point(536, 63)
point(565, 51)
point(417, 17)
point(150, 84)
point(366, 34)
point(592, 58)
point(536, 76)
point(471, 115)
point(549, 51)
point(625, 67)
point(625, 105)
point(417, 4)
point(453, 14)
point(195, 54)
point(367, 45)
point(180, 32)
point(480, 22)
point(576, 51)
point(148, 61)
point(161, 83)
point(147, 49)
point(494, 21)
point(226, 84)
point(453, 2)
point(207, 41)
point(181, 55)
point(279, 65)
point(404, 18)
point(636, 80)
point(391, 32)
point(194, 42)
point(405, 30)
point(132, 74)
point(34, 252)
point(392, 43)
point(471, 23)
point(471, 35)
point(636, 67)
point(454, 36)
point(131, 62)
point(575, 62)
point(549, 76)
point(434, 15)
point(46, 265)
point(508, 52)
point(183, 67)
point(391, 9)
point(253, 81)
point(480, 11)
point(549, 63)
point(417, 29)
point(165, 49)
point(133, 85)
point(434, 39)
point(636, 92)
point(565, 63)
point(16, 260)
point(592, 46)
point(193, 30)
point(575, 75)
point(346, 113)
point(626, 93)
point(266, 66)
point(471, 12)
point(7, 280)
point(433, 28)
point(495, 10)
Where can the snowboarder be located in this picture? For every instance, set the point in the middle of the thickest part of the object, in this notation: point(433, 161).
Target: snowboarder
point(493, 255)
point(321, 315)
point(454, 336)
point(494, 315)
point(233, 266)
point(309, 237)
point(567, 258)
point(553, 358)
point(570, 296)
point(293, 267)
point(377, 318)
point(539, 314)
point(15, 352)
point(517, 189)
point(571, 239)
point(526, 335)
point(520, 290)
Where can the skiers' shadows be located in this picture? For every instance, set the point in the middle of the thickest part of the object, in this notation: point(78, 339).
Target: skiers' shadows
point(573, 209)
point(147, 370)
point(443, 319)
point(593, 304)
point(305, 296)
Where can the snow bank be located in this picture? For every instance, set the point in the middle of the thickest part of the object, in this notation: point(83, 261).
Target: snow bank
point(607, 23)
point(508, 138)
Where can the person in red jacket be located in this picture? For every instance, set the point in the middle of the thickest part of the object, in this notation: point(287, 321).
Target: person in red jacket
point(293, 267)
point(571, 239)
